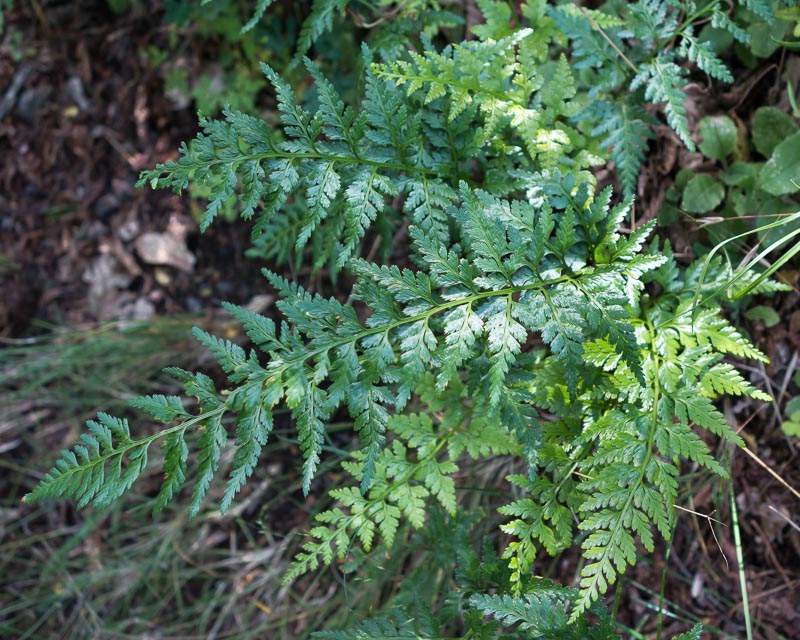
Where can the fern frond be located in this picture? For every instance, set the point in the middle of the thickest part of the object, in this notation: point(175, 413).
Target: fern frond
point(319, 21)
point(498, 20)
point(253, 427)
point(762, 8)
point(693, 634)
point(258, 13)
point(162, 408)
point(664, 81)
point(723, 378)
point(705, 58)
point(626, 127)
point(175, 457)
point(213, 438)
point(107, 462)
point(542, 611)
point(720, 20)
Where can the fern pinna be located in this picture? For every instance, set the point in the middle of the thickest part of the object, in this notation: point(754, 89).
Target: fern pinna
point(531, 325)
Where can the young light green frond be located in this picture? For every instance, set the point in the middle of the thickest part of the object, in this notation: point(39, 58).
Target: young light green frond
point(498, 20)
point(540, 521)
point(723, 378)
point(437, 479)
point(417, 430)
point(557, 93)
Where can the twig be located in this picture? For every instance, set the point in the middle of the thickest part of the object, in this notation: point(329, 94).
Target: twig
point(774, 474)
point(606, 38)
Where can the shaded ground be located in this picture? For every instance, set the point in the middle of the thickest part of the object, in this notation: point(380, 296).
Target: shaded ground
point(81, 113)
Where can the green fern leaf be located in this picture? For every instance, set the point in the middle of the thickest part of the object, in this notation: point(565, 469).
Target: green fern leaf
point(213, 438)
point(498, 20)
point(230, 356)
point(626, 126)
point(702, 54)
point(319, 21)
point(723, 378)
point(258, 13)
point(92, 472)
point(505, 336)
point(253, 426)
point(259, 329)
point(162, 408)
point(693, 633)
point(175, 457)
point(664, 82)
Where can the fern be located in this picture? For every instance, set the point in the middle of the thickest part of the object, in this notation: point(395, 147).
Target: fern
point(542, 613)
point(526, 323)
point(664, 82)
point(318, 22)
point(519, 273)
point(626, 126)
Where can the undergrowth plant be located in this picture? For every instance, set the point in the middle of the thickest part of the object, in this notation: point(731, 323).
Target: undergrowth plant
point(519, 318)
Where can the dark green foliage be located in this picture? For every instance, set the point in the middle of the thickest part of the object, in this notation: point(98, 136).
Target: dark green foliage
point(530, 324)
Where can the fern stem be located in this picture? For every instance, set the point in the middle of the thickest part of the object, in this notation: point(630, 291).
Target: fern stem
point(500, 97)
point(691, 19)
point(424, 316)
point(660, 614)
point(286, 155)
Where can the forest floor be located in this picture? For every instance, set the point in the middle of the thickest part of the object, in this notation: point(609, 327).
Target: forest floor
point(95, 274)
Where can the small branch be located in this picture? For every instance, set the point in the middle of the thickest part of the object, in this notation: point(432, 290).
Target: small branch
point(606, 38)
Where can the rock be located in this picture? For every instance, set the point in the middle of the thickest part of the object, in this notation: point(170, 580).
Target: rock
point(165, 249)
